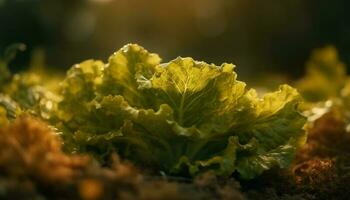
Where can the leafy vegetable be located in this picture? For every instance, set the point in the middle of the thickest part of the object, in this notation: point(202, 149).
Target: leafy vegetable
point(320, 164)
point(325, 76)
point(326, 86)
point(183, 116)
point(28, 91)
point(9, 106)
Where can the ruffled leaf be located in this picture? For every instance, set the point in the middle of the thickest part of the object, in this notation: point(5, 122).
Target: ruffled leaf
point(325, 76)
point(181, 117)
point(126, 69)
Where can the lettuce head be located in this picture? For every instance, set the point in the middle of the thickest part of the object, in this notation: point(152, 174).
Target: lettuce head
point(183, 117)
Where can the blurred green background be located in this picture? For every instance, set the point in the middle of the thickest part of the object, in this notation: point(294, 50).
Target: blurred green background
point(260, 37)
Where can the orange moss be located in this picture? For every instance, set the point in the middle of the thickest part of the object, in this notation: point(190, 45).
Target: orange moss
point(315, 172)
point(29, 147)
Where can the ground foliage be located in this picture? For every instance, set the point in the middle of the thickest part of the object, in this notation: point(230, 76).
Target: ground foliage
point(63, 143)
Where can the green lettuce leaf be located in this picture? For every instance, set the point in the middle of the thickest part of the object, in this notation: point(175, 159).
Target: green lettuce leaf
point(125, 70)
point(325, 76)
point(326, 87)
point(28, 91)
point(182, 117)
